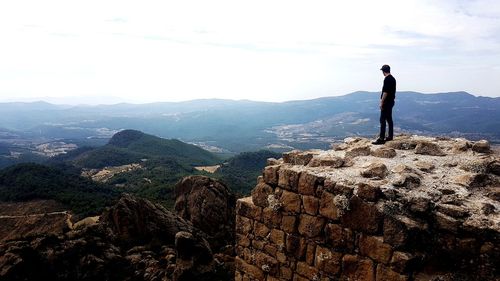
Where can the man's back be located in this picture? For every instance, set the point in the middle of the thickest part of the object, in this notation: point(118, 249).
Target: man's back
point(389, 87)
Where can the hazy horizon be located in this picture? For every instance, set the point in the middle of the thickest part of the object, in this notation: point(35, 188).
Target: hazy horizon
point(265, 51)
point(108, 100)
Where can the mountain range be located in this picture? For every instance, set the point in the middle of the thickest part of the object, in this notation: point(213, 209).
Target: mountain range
point(233, 126)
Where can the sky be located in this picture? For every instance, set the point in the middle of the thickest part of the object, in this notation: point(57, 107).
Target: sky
point(145, 51)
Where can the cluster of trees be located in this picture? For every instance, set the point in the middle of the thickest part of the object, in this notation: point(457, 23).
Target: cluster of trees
point(241, 171)
point(28, 181)
point(164, 163)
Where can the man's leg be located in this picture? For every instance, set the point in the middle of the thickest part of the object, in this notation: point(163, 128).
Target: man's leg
point(383, 119)
point(389, 121)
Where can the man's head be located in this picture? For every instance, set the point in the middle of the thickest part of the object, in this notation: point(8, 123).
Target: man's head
point(386, 69)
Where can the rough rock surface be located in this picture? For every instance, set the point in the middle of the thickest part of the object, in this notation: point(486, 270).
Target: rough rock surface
point(133, 240)
point(209, 205)
point(430, 211)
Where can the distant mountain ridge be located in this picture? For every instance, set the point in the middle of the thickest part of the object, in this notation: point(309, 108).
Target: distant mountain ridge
point(244, 125)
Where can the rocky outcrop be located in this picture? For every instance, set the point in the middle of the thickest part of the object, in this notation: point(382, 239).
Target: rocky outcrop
point(209, 205)
point(133, 240)
point(417, 208)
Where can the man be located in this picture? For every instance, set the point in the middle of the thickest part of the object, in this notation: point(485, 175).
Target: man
point(386, 103)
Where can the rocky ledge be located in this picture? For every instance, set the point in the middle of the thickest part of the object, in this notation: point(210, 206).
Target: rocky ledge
point(132, 240)
point(416, 208)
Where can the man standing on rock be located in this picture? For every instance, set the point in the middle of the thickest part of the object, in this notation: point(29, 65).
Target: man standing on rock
point(386, 103)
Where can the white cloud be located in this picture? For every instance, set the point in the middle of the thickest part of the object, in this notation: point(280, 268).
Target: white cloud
point(263, 50)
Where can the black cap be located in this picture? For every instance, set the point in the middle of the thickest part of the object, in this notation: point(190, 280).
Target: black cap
point(386, 68)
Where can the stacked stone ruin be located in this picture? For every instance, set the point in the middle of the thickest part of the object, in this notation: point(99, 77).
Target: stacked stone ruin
point(416, 208)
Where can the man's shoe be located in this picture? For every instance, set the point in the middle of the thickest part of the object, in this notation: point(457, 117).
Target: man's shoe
point(388, 139)
point(378, 141)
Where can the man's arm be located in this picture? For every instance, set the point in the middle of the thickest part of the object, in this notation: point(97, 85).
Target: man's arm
point(382, 99)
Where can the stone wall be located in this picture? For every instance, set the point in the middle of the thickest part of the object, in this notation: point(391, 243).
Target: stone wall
point(413, 209)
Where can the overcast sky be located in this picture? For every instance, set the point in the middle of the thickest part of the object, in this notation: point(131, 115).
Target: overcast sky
point(145, 51)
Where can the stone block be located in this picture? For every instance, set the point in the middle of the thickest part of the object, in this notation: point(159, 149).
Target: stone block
point(357, 268)
point(281, 257)
point(308, 182)
point(368, 192)
point(289, 224)
point(260, 194)
point(271, 278)
point(328, 261)
point(384, 273)
point(260, 230)
point(329, 161)
point(297, 277)
point(242, 240)
point(286, 273)
point(375, 248)
point(362, 216)
point(307, 271)
point(327, 206)
point(258, 244)
point(290, 201)
point(311, 204)
point(401, 261)
point(310, 226)
point(339, 237)
point(310, 253)
point(266, 263)
point(246, 254)
point(238, 276)
point(271, 218)
point(277, 237)
point(295, 246)
point(297, 157)
point(248, 269)
point(419, 204)
point(243, 225)
point(270, 175)
point(270, 249)
point(246, 208)
point(401, 231)
point(288, 179)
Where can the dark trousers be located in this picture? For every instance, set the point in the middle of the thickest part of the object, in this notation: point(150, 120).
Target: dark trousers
point(386, 116)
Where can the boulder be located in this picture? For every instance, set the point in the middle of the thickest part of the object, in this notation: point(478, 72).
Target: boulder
point(194, 258)
point(209, 205)
point(356, 151)
point(425, 166)
point(375, 170)
point(135, 220)
point(384, 152)
point(133, 240)
point(429, 148)
point(408, 180)
point(472, 180)
point(482, 146)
